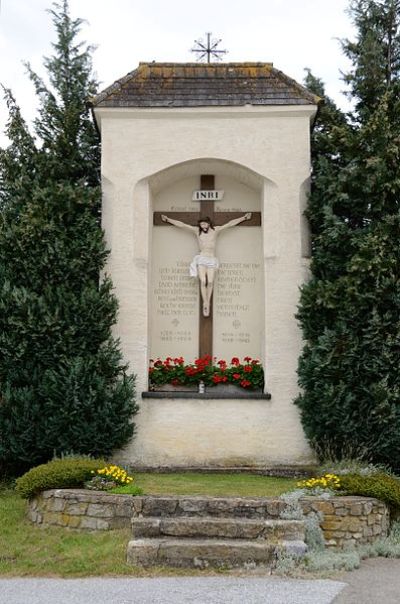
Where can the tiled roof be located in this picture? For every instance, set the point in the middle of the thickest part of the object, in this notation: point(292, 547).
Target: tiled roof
point(202, 85)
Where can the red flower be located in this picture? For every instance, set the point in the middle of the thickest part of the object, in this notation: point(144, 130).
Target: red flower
point(248, 368)
point(247, 359)
point(236, 376)
point(175, 382)
point(158, 363)
point(151, 369)
point(216, 379)
point(255, 362)
point(245, 383)
point(191, 370)
point(206, 360)
point(235, 361)
point(224, 378)
point(222, 364)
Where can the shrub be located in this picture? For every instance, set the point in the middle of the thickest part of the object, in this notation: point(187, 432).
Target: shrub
point(381, 486)
point(64, 384)
point(57, 474)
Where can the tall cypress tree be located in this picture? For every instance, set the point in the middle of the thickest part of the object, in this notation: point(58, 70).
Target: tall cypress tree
point(64, 387)
point(350, 309)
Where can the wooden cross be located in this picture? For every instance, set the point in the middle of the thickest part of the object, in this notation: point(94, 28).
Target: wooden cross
point(207, 183)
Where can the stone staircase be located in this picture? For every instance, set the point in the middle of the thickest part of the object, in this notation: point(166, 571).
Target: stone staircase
point(201, 532)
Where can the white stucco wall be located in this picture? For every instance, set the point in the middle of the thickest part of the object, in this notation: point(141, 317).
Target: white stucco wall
point(267, 145)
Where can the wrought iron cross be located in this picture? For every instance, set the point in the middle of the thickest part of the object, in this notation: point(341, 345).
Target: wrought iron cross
point(208, 49)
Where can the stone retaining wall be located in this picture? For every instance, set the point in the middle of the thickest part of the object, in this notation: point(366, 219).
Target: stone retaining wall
point(346, 520)
point(350, 520)
point(81, 509)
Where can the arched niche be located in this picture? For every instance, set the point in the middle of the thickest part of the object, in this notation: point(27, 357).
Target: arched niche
point(174, 313)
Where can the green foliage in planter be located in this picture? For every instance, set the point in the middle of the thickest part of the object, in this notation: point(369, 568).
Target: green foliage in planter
point(381, 486)
point(130, 489)
point(247, 374)
point(57, 474)
point(350, 308)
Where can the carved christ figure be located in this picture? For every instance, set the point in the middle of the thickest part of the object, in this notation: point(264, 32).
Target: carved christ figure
point(205, 264)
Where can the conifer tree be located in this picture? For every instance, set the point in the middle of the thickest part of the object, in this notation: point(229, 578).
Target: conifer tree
point(64, 387)
point(350, 309)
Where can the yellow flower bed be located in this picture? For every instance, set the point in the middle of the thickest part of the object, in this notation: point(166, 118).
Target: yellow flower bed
point(115, 473)
point(327, 481)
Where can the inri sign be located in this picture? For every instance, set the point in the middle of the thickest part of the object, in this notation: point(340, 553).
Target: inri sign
point(205, 195)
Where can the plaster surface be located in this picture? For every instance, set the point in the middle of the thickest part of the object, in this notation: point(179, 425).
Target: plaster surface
point(266, 149)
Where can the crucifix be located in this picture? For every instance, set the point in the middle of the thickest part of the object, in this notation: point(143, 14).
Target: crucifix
point(204, 266)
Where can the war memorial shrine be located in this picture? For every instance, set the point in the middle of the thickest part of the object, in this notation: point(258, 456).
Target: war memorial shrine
point(227, 144)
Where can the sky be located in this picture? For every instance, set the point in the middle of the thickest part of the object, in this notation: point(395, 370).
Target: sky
point(292, 34)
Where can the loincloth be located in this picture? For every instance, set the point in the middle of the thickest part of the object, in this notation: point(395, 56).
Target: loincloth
point(199, 260)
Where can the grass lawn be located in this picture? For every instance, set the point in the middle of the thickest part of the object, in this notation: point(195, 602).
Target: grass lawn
point(28, 550)
point(192, 483)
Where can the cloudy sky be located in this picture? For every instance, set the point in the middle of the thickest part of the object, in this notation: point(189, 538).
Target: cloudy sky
point(293, 34)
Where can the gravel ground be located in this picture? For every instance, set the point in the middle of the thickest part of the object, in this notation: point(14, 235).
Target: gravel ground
point(201, 590)
point(377, 581)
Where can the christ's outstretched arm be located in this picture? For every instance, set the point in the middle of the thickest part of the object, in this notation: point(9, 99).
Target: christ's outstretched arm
point(179, 224)
point(234, 222)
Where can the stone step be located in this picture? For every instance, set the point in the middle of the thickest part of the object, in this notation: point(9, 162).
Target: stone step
point(235, 507)
point(202, 553)
point(209, 527)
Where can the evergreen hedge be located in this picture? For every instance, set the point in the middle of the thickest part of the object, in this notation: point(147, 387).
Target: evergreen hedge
point(64, 387)
point(350, 309)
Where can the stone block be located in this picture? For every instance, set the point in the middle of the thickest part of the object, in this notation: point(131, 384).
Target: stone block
point(356, 509)
point(137, 505)
point(47, 494)
point(76, 509)
point(143, 552)
point(159, 506)
point(34, 516)
point(275, 507)
point(193, 506)
point(202, 553)
point(146, 527)
point(294, 548)
point(368, 507)
point(341, 511)
point(74, 522)
point(121, 522)
point(214, 527)
point(332, 525)
point(56, 504)
point(94, 524)
point(326, 507)
point(98, 510)
point(124, 510)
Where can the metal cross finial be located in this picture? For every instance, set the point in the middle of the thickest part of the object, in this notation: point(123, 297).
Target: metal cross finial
point(208, 49)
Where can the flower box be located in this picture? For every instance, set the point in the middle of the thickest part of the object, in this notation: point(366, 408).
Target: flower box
point(174, 374)
point(172, 388)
